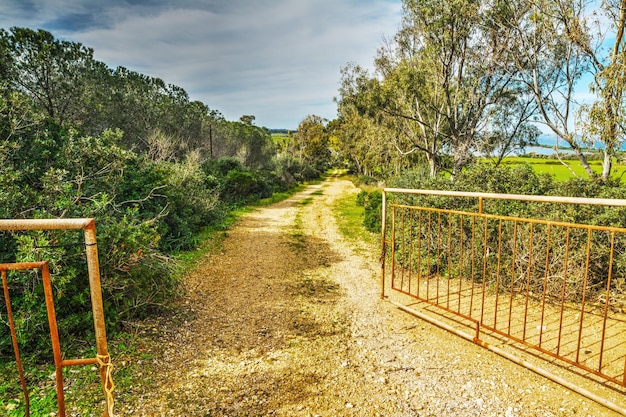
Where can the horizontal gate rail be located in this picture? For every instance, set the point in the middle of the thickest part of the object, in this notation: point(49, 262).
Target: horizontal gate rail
point(554, 286)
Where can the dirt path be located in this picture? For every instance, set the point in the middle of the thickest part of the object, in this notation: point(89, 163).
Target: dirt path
point(287, 321)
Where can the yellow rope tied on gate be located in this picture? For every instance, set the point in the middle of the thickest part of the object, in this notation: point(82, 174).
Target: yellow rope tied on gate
point(108, 385)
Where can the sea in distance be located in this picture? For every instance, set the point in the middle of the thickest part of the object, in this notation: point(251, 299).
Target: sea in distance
point(547, 144)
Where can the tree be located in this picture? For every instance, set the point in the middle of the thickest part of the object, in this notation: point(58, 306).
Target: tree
point(442, 87)
point(606, 115)
point(251, 145)
point(52, 72)
point(247, 119)
point(557, 43)
point(512, 128)
point(312, 142)
point(366, 132)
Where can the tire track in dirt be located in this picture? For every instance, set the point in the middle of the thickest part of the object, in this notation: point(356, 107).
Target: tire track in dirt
point(286, 320)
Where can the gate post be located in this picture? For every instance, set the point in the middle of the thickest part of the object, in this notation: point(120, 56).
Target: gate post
point(104, 360)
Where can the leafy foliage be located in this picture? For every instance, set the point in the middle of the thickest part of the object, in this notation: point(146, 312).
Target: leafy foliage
point(463, 78)
point(78, 139)
point(372, 203)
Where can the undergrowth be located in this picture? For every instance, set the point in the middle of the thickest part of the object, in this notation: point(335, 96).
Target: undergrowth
point(83, 393)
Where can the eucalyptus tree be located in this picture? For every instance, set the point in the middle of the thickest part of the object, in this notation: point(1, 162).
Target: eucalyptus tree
point(604, 118)
point(463, 52)
point(412, 104)
point(360, 143)
point(312, 141)
point(441, 84)
point(512, 127)
point(362, 137)
point(558, 43)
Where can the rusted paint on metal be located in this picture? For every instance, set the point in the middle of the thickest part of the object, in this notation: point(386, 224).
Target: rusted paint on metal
point(534, 285)
point(44, 224)
point(16, 348)
point(103, 359)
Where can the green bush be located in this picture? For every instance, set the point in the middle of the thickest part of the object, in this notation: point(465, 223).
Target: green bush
point(372, 202)
point(244, 186)
point(292, 170)
point(86, 177)
point(220, 167)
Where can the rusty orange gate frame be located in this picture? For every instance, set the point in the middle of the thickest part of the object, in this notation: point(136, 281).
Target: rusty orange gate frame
point(102, 355)
point(527, 280)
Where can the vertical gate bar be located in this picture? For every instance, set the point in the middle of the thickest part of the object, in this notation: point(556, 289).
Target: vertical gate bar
point(54, 336)
point(438, 255)
point(402, 247)
point(449, 272)
point(393, 247)
point(410, 262)
point(528, 275)
point(383, 244)
point(514, 255)
point(460, 261)
point(16, 348)
point(607, 300)
point(419, 253)
point(484, 286)
point(428, 260)
point(545, 281)
point(495, 313)
point(93, 268)
point(565, 267)
point(584, 295)
point(473, 250)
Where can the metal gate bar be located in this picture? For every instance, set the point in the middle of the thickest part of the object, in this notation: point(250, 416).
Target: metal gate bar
point(102, 355)
point(548, 285)
point(59, 363)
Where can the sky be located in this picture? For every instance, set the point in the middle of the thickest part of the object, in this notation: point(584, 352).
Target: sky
point(278, 60)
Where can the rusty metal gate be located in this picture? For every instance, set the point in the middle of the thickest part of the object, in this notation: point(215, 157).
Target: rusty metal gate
point(555, 286)
point(102, 356)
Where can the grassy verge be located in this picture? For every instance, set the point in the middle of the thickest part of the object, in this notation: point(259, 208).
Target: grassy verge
point(349, 217)
point(83, 394)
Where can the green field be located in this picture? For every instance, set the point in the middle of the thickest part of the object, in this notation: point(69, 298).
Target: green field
point(562, 172)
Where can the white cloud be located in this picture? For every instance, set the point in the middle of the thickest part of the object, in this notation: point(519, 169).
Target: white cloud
point(276, 59)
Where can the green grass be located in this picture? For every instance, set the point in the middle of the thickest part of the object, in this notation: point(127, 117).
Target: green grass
point(563, 172)
point(350, 220)
point(306, 201)
point(83, 392)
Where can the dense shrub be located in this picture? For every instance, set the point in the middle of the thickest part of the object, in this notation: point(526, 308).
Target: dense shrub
point(244, 186)
point(236, 184)
point(292, 170)
point(372, 202)
point(85, 176)
point(220, 167)
point(365, 180)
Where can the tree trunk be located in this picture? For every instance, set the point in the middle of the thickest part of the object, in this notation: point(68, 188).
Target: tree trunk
point(607, 163)
point(432, 164)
